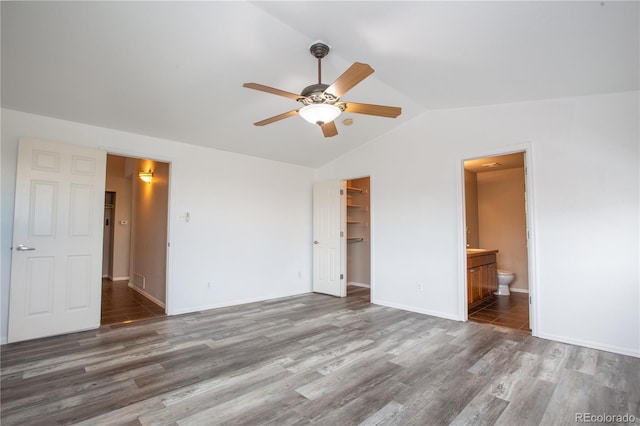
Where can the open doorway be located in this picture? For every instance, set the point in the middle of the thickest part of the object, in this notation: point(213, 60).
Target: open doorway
point(135, 239)
point(358, 234)
point(497, 268)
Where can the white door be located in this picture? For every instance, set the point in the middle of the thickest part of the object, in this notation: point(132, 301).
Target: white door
point(329, 242)
point(56, 262)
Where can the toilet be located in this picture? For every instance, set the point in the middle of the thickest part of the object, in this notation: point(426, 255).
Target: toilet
point(504, 279)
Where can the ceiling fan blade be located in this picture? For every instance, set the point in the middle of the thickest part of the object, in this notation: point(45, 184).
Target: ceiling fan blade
point(352, 76)
point(272, 90)
point(329, 129)
point(276, 118)
point(379, 110)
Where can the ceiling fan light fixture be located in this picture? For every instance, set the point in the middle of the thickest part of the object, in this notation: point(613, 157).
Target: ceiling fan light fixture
point(319, 113)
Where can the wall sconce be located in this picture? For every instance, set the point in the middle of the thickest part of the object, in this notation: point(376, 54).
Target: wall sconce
point(146, 176)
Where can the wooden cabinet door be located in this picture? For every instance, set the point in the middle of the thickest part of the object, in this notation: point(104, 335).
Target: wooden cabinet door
point(474, 284)
point(490, 279)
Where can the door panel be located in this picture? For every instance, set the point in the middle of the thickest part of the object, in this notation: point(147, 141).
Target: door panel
point(57, 241)
point(43, 211)
point(39, 285)
point(328, 251)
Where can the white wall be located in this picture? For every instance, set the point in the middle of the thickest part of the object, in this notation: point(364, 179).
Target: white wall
point(471, 209)
point(120, 183)
point(250, 229)
point(149, 237)
point(584, 185)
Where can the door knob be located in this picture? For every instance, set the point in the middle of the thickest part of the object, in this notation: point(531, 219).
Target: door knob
point(316, 242)
point(24, 248)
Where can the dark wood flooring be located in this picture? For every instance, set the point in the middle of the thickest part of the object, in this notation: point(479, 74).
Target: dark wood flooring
point(507, 311)
point(310, 359)
point(122, 304)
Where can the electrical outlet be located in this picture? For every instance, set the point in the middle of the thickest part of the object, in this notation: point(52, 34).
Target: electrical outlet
point(420, 288)
point(209, 284)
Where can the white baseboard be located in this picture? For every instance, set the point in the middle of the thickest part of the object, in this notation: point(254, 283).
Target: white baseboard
point(519, 290)
point(417, 310)
point(635, 352)
point(147, 295)
point(234, 303)
point(116, 278)
point(357, 284)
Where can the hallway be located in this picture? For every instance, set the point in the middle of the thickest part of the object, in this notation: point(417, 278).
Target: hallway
point(122, 304)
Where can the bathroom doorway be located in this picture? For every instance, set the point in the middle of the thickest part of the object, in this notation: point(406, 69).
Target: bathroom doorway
point(496, 241)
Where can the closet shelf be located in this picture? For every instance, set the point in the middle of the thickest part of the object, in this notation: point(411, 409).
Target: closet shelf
point(354, 189)
point(353, 222)
point(354, 205)
point(355, 240)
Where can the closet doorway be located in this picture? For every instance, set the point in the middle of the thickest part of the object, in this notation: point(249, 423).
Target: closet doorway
point(358, 226)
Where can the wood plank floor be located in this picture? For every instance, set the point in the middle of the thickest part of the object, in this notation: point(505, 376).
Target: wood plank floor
point(121, 303)
point(310, 359)
point(507, 311)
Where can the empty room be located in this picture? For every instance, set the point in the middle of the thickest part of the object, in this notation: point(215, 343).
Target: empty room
point(331, 213)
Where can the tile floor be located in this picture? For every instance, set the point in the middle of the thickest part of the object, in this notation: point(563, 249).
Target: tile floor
point(507, 311)
point(121, 304)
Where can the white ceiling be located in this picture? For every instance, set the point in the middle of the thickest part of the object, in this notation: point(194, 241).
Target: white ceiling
point(175, 70)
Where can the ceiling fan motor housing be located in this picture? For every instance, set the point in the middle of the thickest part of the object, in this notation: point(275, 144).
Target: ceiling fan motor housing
point(315, 94)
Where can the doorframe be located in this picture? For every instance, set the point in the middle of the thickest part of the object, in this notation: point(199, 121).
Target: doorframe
point(168, 303)
point(534, 305)
point(371, 238)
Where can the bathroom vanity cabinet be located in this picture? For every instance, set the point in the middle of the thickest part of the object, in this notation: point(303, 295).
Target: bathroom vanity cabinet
point(482, 275)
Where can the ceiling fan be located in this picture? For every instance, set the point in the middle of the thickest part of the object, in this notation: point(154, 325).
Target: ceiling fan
point(321, 102)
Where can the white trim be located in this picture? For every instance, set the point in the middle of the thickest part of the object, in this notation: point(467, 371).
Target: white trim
point(463, 305)
point(147, 295)
point(235, 303)
point(119, 278)
point(357, 284)
point(519, 290)
point(634, 352)
point(438, 314)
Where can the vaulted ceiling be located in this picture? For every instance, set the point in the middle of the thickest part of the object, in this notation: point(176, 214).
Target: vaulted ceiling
point(175, 70)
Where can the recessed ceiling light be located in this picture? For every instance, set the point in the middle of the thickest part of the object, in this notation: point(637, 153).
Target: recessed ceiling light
point(490, 165)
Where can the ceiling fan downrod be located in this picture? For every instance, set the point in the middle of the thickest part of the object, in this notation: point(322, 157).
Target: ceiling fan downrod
point(315, 93)
point(319, 50)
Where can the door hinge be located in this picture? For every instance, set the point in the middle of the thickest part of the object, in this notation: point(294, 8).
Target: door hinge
point(342, 233)
point(341, 192)
point(342, 276)
point(530, 302)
